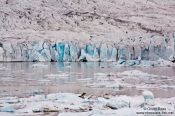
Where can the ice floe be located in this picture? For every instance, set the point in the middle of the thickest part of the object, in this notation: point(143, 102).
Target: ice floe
point(72, 104)
point(136, 73)
point(39, 66)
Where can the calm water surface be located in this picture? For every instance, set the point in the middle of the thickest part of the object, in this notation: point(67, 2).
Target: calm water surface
point(28, 78)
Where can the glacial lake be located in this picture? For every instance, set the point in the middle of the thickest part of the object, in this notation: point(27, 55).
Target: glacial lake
point(24, 79)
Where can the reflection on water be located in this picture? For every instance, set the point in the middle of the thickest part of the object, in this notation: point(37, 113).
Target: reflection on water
point(28, 78)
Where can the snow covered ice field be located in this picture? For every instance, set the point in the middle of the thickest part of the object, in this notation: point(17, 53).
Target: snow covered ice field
point(84, 88)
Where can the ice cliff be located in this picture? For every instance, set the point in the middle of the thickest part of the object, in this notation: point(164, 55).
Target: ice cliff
point(72, 51)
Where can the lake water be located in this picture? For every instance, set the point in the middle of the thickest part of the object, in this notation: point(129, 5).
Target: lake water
point(28, 78)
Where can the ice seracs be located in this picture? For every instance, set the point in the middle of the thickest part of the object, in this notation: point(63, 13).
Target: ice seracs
point(69, 51)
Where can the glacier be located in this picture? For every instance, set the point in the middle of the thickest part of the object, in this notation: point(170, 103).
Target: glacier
point(69, 51)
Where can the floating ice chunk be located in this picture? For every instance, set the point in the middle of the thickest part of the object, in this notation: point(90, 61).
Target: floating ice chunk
point(72, 104)
point(7, 109)
point(96, 75)
point(7, 79)
point(34, 98)
point(172, 58)
point(100, 74)
point(44, 81)
point(135, 101)
point(39, 66)
point(132, 62)
point(147, 63)
point(136, 73)
point(97, 112)
point(53, 96)
point(121, 61)
point(65, 97)
point(102, 101)
point(46, 107)
point(118, 102)
point(105, 84)
point(168, 86)
point(6, 114)
point(85, 79)
point(63, 75)
point(9, 100)
point(162, 62)
point(114, 85)
point(52, 76)
point(4, 68)
point(11, 108)
point(60, 75)
point(149, 97)
point(32, 106)
point(74, 114)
